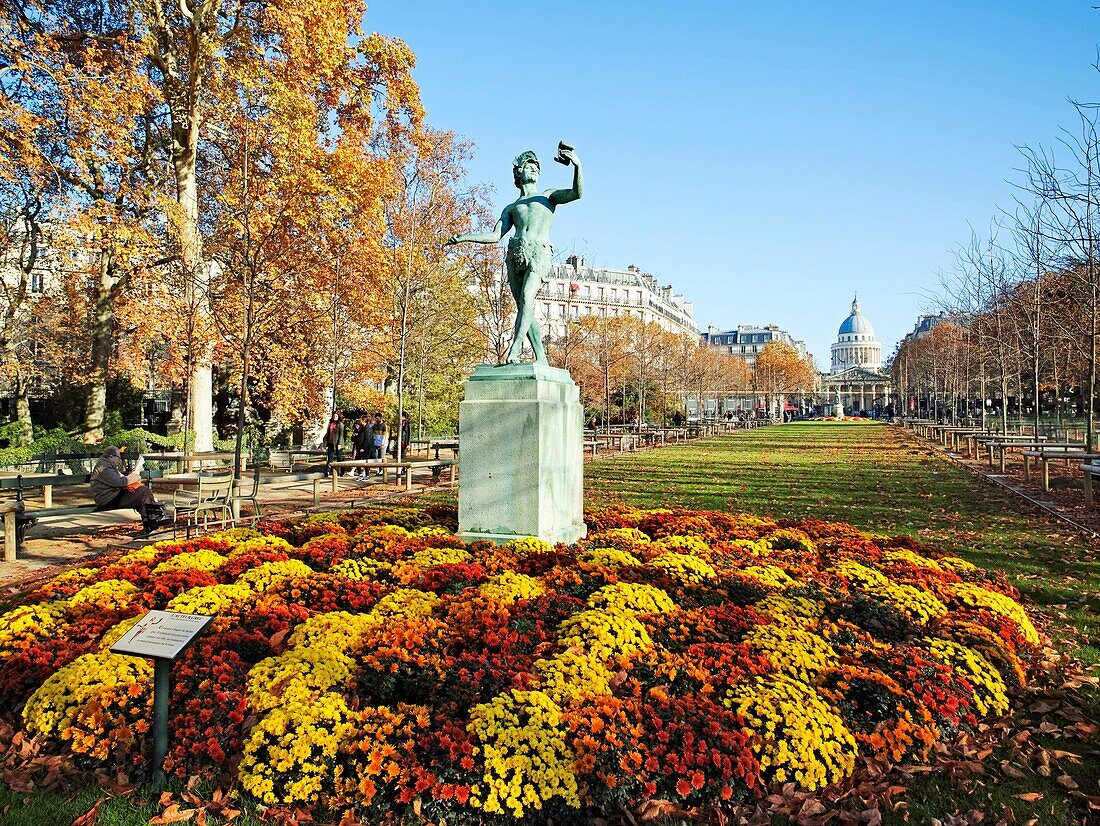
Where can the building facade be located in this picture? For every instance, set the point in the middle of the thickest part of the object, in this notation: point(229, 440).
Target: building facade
point(856, 345)
point(856, 379)
point(575, 291)
point(746, 341)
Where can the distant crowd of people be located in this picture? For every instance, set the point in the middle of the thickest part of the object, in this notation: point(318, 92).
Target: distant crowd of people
point(369, 438)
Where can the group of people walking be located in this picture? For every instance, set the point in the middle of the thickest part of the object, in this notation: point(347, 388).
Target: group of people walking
point(369, 438)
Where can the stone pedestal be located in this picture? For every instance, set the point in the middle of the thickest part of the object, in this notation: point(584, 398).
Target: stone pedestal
point(520, 448)
point(838, 411)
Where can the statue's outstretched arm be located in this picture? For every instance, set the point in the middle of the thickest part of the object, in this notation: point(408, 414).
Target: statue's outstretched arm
point(502, 228)
point(564, 196)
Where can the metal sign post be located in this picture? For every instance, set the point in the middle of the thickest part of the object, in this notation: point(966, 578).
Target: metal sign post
point(161, 636)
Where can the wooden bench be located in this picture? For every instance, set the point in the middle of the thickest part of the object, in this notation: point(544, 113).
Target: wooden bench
point(1092, 473)
point(316, 477)
point(399, 468)
point(1046, 455)
point(21, 517)
point(47, 482)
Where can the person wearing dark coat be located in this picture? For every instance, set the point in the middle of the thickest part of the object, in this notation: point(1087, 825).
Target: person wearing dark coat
point(363, 445)
point(113, 490)
point(406, 436)
point(334, 440)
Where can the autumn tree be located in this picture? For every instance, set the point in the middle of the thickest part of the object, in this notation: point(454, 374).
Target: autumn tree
point(425, 203)
point(114, 93)
point(82, 114)
point(22, 247)
point(779, 370)
point(603, 359)
point(496, 310)
point(1069, 190)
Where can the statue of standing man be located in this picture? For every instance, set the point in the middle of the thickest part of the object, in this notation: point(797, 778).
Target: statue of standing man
point(529, 250)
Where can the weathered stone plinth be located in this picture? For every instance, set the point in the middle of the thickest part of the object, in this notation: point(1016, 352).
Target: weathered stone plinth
point(520, 445)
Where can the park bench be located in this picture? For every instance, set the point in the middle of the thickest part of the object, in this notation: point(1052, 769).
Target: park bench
point(1092, 473)
point(316, 477)
point(1046, 455)
point(998, 446)
point(21, 517)
point(435, 465)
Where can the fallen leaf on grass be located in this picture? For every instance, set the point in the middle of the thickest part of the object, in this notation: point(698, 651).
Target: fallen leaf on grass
point(1058, 754)
point(1030, 797)
point(89, 817)
point(1067, 781)
point(173, 814)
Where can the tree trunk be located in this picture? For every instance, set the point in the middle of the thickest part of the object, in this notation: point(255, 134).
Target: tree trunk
point(184, 153)
point(25, 434)
point(95, 407)
point(23, 409)
point(1094, 328)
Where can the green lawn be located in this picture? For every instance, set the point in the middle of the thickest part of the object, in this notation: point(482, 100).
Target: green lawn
point(878, 479)
point(881, 479)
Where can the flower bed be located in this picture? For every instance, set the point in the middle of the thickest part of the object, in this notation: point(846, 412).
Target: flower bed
point(372, 661)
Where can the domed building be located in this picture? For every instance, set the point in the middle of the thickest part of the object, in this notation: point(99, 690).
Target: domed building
point(856, 377)
point(856, 345)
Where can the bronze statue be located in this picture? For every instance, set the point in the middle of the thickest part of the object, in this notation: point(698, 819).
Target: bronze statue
point(529, 250)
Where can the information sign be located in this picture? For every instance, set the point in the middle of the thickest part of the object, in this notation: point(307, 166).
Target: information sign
point(162, 635)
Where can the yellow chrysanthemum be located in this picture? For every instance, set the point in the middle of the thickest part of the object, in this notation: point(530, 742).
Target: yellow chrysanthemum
point(525, 757)
point(606, 634)
point(572, 675)
point(969, 593)
point(796, 735)
point(609, 557)
point(640, 598)
point(768, 575)
point(684, 567)
point(792, 650)
point(990, 695)
point(510, 586)
point(201, 560)
point(527, 545)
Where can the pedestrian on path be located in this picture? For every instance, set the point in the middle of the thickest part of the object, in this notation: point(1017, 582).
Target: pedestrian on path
point(362, 444)
point(406, 434)
point(334, 440)
point(379, 433)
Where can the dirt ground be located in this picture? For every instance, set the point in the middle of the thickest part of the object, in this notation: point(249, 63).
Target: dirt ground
point(1066, 494)
point(57, 543)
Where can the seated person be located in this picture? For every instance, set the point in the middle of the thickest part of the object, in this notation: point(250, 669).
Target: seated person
point(112, 490)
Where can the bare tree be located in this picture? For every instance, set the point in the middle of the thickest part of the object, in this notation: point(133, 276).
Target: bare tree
point(1070, 192)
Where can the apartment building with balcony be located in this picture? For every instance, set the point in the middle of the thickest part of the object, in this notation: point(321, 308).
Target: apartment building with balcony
point(576, 290)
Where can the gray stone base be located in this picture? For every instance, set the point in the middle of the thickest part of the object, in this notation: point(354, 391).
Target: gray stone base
point(521, 455)
point(505, 538)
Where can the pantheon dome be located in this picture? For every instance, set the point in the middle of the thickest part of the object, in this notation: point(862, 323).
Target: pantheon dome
point(856, 345)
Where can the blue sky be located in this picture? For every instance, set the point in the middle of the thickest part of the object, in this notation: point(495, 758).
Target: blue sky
point(768, 159)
